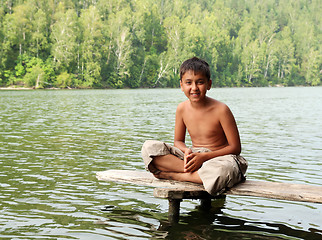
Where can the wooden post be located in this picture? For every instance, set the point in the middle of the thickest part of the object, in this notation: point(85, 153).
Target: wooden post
point(205, 203)
point(174, 210)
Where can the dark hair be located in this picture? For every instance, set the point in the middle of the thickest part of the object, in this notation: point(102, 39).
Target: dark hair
point(197, 65)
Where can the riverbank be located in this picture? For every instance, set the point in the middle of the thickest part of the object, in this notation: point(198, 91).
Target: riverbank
point(25, 88)
point(53, 88)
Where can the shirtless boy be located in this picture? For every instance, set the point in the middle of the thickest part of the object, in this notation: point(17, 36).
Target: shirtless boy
point(214, 158)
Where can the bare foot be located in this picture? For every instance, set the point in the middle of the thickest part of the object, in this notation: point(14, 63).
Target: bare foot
point(179, 176)
point(163, 175)
point(153, 169)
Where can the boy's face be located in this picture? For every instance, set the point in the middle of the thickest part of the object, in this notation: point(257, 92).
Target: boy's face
point(195, 85)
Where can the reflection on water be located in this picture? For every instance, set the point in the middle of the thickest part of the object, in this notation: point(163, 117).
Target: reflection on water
point(53, 142)
point(198, 224)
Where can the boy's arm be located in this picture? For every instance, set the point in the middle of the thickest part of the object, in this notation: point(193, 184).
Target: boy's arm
point(230, 129)
point(180, 130)
point(233, 145)
point(180, 133)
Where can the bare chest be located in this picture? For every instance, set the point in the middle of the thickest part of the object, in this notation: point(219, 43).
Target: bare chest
point(203, 125)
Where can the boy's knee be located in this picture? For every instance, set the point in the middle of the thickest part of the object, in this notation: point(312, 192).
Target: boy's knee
point(153, 148)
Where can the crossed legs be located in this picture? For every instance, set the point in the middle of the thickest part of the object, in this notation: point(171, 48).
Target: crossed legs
point(172, 168)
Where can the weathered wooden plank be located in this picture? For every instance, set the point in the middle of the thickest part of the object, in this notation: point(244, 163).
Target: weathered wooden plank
point(278, 190)
point(185, 190)
point(146, 179)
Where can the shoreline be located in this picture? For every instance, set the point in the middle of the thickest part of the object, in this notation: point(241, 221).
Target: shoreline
point(25, 88)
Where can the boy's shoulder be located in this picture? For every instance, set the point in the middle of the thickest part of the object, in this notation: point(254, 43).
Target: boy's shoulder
point(217, 105)
point(183, 106)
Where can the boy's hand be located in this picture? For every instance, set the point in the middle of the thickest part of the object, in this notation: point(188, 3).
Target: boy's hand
point(186, 158)
point(193, 162)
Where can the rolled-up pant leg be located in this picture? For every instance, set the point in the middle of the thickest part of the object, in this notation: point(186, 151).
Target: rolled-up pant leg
point(154, 148)
point(222, 172)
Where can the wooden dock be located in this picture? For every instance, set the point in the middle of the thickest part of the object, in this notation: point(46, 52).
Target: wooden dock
point(176, 191)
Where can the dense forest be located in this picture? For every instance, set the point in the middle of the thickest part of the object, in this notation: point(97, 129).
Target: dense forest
point(141, 43)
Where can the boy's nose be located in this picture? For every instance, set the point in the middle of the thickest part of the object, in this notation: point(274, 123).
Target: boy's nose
point(194, 85)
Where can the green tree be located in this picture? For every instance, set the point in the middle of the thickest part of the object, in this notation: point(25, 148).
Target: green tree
point(174, 33)
point(312, 67)
point(250, 59)
point(16, 30)
point(92, 41)
point(64, 80)
point(39, 43)
point(2, 55)
point(64, 33)
point(21, 25)
point(307, 48)
point(35, 77)
point(140, 19)
point(119, 24)
point(284, 55)
point(154, 34)
point(267, 44)
point(247, 49)
point(31, 71)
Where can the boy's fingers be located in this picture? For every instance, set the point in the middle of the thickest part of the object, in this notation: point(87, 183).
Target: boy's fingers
point(191, 155)
point(189, 166)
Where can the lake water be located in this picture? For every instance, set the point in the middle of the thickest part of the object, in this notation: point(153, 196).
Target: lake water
point(53, 142)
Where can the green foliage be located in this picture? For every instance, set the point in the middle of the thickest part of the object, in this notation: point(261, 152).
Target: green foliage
point(35, 77)
point(117, 44)
point(64, 80)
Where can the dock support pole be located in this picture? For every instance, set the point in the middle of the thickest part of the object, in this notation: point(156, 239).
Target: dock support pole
point(174, 210)
point(205, 204)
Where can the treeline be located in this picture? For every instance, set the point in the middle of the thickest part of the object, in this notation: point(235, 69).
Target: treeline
point(141, 43)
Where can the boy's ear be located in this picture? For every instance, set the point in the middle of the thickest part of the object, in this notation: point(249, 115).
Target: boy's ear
point(209, 84)
point(181, 85)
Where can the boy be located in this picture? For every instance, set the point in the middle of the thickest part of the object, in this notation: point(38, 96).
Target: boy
point(214, 159)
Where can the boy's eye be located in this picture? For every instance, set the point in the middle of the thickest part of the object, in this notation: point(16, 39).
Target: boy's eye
point(201, 82)
point(188, 82)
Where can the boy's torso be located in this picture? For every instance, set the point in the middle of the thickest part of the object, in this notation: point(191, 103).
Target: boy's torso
point(203, 125)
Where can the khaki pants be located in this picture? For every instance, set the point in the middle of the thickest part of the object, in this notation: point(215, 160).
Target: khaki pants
point(217, 173)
